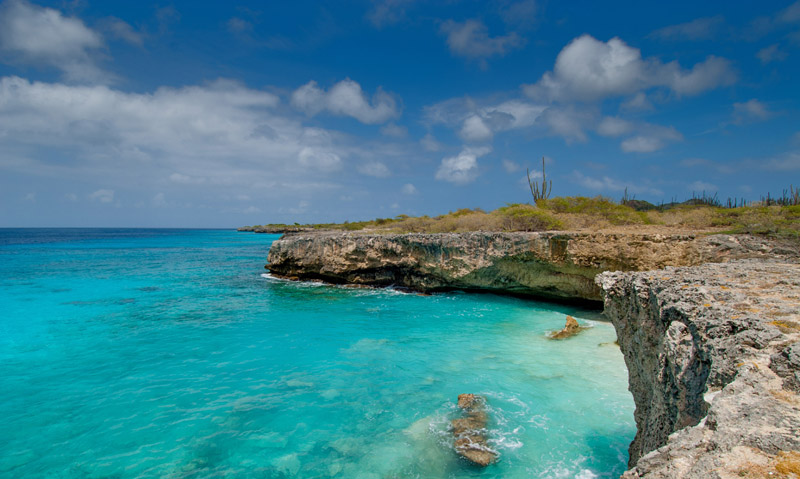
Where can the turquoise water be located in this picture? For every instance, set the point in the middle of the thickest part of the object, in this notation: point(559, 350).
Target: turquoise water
point(168, 353)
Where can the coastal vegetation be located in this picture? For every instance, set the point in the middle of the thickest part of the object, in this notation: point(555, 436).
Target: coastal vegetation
point(772, 217)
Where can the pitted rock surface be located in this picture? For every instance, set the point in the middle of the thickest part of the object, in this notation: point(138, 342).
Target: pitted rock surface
point(712, 356)
point(554, 265)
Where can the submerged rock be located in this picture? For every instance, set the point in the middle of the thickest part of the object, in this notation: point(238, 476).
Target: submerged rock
point(571, 328)
point(469, 432)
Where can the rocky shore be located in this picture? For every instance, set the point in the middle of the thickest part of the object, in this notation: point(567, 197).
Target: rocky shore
point(714, 367)
point(709, 325)
point(550, 265)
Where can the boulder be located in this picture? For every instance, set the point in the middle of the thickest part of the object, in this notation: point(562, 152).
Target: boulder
point(571, 328)
point(469, 432)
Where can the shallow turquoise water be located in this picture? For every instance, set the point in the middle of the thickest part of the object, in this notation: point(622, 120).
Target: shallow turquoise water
point(161, 353)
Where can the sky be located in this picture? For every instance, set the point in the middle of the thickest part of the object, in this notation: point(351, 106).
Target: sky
point(223, 114)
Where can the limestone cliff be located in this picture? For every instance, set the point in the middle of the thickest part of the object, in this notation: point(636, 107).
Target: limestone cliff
point(555, 265)
point(714, 367)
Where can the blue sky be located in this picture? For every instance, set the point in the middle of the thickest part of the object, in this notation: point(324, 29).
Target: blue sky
point(201, 114)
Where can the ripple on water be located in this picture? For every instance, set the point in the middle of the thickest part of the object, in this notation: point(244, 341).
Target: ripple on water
point(172, 355)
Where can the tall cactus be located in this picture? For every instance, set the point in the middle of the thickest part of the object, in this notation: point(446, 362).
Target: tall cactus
point(540, 193)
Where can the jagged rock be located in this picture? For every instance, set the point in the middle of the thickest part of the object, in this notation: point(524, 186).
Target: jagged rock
point(552, 265)
point(711, 374)
point(571, 328)
point(469, 432)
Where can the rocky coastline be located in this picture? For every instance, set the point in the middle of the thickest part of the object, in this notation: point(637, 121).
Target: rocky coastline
point(708, 324)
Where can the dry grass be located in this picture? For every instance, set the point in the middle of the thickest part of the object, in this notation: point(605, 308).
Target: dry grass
point(592, 214)
point(786, 326)
point(788, 463)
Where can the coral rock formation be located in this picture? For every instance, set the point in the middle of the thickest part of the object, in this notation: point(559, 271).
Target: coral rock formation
point(469, 432)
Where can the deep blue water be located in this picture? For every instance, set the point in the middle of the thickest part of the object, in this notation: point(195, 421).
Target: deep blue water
point(168, 353)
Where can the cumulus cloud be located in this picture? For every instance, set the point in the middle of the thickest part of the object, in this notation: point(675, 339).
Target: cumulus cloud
point(589, 70)
point(569, 123)
point(770, 54)
point(462, 168)
point(319, 159)
point(103, 196)
point(40, 36)
point(614, 126)
point(650, 139)
point(476, 123)
point(409, 189)
point(429, 143)
point(395, 131)
point(346, 99)
point(474, 129)
point(697, 29)
point(374, 168)
point(511, 167)
point(122, 30)
point(750, 111)
point(470, 39)
point(217, 134)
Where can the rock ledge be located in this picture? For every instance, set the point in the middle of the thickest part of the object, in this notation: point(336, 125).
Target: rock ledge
point(713, 362)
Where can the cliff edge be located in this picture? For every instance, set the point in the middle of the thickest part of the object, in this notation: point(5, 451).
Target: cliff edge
point(551, 265)
point(714, 367)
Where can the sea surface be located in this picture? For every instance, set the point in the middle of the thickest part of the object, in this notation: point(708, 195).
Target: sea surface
point(128, 353)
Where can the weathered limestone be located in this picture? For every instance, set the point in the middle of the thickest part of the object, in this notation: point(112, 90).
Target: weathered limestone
point(469, 432)
point(571, 328)
point(554, 265)
point(712, 374)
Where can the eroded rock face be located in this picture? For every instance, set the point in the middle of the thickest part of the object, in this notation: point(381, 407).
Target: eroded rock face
point(469, 432)
point(554, 265)
point(712, 375)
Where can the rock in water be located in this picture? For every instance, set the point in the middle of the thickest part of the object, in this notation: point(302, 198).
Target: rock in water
point(469, 431)
point(570, 329)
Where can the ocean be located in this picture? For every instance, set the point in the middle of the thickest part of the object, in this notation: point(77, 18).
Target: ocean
point(137, 353)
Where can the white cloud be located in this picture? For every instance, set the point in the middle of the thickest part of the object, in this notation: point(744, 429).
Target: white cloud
point(697, 29)
point(34, 35)
point(462, 168)
point(638, 102)
point(772, 53)
point(520, 14)
point(510, 166)
point(474, 129)
point(429, 143)
point(569, 123)
point(651, 138)
point(470, 39)
point(395, 131)
point(614, 126)
point(346, 99)
point(319, 159)
point(122, 30)
point(480, 123)
point(699, 186)
point(217, 135)
point(409, 189)
point(387, 12)
point(750, 111)
point(374, 168)
point(608, 184)
point(103, 196)
point(589, 70)
point(72, 197)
